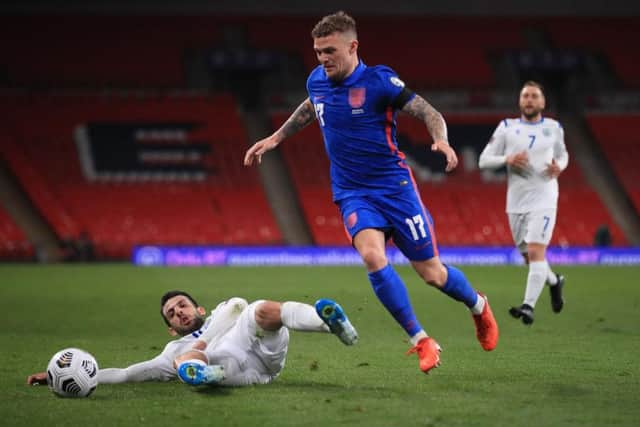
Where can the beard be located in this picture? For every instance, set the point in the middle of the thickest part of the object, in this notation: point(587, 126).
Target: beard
point(197, 323)
point(530, 113)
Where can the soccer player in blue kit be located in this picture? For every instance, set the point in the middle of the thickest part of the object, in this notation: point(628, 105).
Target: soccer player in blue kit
point(355, 106)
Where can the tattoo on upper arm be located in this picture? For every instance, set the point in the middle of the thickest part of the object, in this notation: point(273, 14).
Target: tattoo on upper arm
point(301, 117)
point(419, 108)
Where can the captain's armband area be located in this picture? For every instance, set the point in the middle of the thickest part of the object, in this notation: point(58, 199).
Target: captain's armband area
point(402, 99)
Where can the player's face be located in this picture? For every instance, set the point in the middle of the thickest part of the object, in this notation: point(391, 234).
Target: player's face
point(337, 53)
point(531, 102)
point(182, 315)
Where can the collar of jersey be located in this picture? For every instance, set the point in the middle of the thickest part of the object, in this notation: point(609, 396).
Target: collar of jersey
point(353, 77)
point(196, 334)
point(532, 124)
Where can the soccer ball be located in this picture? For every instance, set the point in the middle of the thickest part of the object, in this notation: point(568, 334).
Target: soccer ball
point(72, 373)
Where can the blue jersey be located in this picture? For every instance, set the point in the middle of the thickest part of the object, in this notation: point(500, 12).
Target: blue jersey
point(357, 117)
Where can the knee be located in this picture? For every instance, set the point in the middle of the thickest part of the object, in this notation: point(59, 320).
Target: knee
point(374, 258)
point(537, 252)
point(190, 355)
point(435, 275)
point(268, 316)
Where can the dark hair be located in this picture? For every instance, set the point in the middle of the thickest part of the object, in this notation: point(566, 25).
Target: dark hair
point(167, 296)
point(533, 83)
point(338, 22)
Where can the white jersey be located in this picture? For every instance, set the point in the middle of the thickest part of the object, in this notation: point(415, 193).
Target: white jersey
point(160, 368)
point(532, 189)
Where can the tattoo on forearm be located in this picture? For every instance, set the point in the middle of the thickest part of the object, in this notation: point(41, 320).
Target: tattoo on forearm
point(301, 117)
point(419, 108)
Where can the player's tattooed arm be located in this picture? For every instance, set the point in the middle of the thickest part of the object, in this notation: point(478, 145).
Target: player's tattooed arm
point(419, 108)
point(437, 127)
point(300, 118)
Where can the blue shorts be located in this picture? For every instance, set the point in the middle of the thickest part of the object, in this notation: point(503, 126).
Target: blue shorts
point(402, 217)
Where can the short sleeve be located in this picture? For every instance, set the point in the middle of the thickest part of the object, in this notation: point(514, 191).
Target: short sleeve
point(392, 87)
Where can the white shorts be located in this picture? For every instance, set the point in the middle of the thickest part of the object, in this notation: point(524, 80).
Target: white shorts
point(250, 354)
point(532, 227)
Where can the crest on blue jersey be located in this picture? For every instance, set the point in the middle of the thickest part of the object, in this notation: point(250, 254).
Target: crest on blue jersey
point(396, 81)
point(357, 96)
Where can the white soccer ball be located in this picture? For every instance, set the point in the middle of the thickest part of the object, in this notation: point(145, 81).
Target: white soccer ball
point(72, 373)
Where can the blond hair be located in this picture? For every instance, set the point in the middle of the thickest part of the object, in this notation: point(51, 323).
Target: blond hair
point(338, 22)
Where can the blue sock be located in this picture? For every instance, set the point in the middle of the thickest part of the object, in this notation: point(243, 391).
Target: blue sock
point(392, 293)
point(459, 288)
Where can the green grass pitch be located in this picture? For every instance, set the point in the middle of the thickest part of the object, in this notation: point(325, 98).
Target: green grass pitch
point(577, 368)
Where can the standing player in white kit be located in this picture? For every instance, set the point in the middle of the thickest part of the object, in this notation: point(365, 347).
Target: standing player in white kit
point(533, 150)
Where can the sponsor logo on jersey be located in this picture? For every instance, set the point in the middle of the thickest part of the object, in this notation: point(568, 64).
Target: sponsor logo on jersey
point(357, 96)
point(396, 81)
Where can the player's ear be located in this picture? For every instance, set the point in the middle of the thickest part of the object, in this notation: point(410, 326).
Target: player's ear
point(353, 46)
point(172, 332)
point(201, 310)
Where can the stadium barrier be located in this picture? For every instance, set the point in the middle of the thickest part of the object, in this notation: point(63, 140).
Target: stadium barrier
point(197, 256)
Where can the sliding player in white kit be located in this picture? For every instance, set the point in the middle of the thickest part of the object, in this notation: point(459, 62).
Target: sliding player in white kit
point(238, 344)
point(532, 147)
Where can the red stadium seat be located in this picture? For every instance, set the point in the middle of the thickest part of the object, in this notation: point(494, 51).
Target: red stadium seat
point(14, 245)
point(221, 209)
point(618, 136)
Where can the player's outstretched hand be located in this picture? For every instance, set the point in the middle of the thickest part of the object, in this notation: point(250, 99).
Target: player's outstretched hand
point(258, 149)
point(448, 151)
point(553, 170)
point(38, 378)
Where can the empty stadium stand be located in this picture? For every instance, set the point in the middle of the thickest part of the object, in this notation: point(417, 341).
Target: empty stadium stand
point(149, 51)
point(101, 51)
point(618, 137)
point(14, 245)
point(607, 36)
point(118, 209)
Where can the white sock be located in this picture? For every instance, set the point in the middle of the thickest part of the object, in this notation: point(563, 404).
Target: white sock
point(479, 307)
point(301, 317)
point(552, 279)
point(535, 282)
point(417, 337)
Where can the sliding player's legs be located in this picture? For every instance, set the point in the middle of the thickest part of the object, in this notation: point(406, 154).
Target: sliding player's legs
point(247, 354)
point(254, 350)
